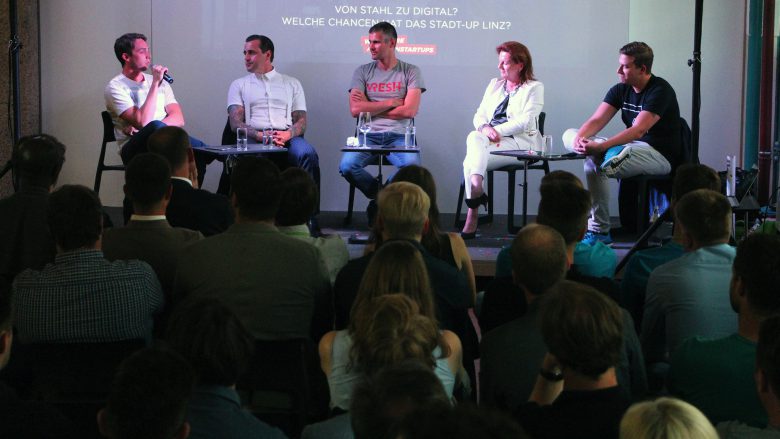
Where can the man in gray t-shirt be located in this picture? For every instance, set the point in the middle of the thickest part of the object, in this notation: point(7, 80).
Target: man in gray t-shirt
point(390, 90)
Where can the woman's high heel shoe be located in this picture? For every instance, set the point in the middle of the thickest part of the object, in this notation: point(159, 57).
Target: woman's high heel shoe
point(474, 203)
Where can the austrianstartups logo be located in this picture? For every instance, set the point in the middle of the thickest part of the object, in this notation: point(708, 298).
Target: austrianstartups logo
point(403, 47)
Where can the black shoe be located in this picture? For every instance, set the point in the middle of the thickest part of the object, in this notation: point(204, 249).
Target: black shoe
point(474, 203)
point(468, 235)
point(371, 212)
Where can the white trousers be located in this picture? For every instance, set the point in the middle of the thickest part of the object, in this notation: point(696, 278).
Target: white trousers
point(479, 160)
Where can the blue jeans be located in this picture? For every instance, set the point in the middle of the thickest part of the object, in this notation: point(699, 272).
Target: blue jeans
point(353, 163)
point(137, 143)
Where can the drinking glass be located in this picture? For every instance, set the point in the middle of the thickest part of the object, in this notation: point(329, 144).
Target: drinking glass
point(531, 127)
point(268, 138)
point(364, 126)
point(241, 139)
point(410, 137)
point(547, 145)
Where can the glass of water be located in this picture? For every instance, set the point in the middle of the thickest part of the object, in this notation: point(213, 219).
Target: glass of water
point(268, 138)
point(547, 145)
point(410, 137)
point(532, 127)
point(241, 139)
point(364, 126)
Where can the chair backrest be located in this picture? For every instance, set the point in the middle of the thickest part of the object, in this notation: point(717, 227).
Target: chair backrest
point(281, 368)
point(228, 135)
point(74, 371)
point(108, 128)
point(687, 154)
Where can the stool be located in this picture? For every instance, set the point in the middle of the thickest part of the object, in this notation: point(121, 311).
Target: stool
point(108, 136)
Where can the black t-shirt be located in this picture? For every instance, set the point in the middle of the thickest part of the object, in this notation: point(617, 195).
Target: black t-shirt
point(592, 414)
point(658, 97)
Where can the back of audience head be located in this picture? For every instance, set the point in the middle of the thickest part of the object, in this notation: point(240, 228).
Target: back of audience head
point(564, 206)
point(147, 181)
point(705, 217)
point(6, 321)
point(148, 397)
point(756, 274)
point(299, 198)
point(422, 177)
point(768, 364)
point(37, 160)
point(582, 328)
point(463, 421)
point(559, 177)
point(390, 329)
point(75, 217)
point(380, 402)
point(397, 267)
point(173, 143)
point(403, 211)
point(690, 177)
point(539, 258)
point(212, 339)
point(255, 186)
point(665, 418)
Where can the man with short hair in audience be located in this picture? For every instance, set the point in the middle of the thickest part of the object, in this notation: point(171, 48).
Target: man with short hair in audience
point(82, 297)
point(767, 382)
point(148, 236)
point(594, 259)
point(25, 240)
point(688, 177)
point(148, 397)
point(689, 296)
point(299, 202)
point(277, 285)
point(218, 347)
point(189, 207)
point(510, 352)
point(716, 375)
point(577, 392)
point(564, 206)
point(20, 418)
point(403, 215)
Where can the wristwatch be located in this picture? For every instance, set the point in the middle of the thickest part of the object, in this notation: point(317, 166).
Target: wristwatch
point(554, 375)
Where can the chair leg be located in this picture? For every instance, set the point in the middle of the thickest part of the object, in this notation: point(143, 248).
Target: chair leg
point(98, 176)
point(350, 205)
point(489, 218)
point(642, 213)
point(510, 203)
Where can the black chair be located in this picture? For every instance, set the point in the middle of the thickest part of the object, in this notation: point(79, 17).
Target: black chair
point(284, 385)
point(74, 378)
point(108, 137)
point(511, 171)
point(635, 191)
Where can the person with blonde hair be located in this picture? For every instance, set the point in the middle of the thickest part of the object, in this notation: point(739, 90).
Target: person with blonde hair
point(665, 418)
point(386, 330)
point(447, 246)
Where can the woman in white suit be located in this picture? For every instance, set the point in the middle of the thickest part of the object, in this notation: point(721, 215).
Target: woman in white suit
point(506, 119)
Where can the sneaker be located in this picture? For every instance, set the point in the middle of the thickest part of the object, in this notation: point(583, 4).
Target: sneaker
point(591, 238)
point(613, 158)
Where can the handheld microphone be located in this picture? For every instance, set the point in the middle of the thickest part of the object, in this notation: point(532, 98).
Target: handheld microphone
point(167, 78)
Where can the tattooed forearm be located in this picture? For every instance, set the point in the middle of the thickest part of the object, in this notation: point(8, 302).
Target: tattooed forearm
point(236, 117)
point(299, 123)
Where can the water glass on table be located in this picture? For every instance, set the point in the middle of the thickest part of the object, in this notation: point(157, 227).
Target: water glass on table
point(547, 145)
point(268, 138)
point(364, 126)
point(241, 139)
point(410, 137)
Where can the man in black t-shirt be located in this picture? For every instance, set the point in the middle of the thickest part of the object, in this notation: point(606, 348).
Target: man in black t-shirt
point(650, 144)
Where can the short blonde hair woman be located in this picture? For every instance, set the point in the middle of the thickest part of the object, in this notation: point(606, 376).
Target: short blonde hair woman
point(665, 418)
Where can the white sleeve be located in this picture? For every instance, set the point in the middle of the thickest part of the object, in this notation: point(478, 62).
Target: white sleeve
point(483, 114)
point(298, 99)
point(234, 96)
point(520, 112)
point(168, 93)
point(118, 98)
